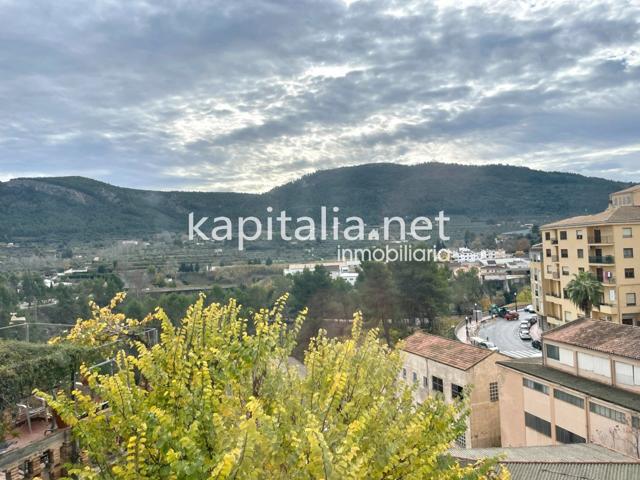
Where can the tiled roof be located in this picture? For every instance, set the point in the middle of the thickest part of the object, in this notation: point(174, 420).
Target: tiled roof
point(599, 335)
point(597, 390)
point(576, 452)
point(634, 188)
point(573, 471)
point(617, 215)
point(443, 350)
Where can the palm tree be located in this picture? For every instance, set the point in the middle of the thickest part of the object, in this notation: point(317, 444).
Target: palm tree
point(585, 291)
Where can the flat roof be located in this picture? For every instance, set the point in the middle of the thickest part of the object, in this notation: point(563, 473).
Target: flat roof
point(599, 335)
point(597, 390)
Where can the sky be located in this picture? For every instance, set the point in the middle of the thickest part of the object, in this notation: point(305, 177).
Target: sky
point(244, 95)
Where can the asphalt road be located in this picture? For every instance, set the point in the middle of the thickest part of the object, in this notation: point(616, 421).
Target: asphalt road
point(505, 335)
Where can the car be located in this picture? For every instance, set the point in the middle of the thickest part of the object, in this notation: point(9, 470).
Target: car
point(536, 344)
point(533, 320)
point(512, 316)
point(529, 309)
point(524, 335)
point(524, 324)
point(482, 343)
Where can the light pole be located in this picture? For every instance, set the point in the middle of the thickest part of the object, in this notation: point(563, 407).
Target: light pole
point(515, 293)
point(466, 326)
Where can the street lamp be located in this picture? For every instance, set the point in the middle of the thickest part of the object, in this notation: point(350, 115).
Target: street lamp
point(515, 293)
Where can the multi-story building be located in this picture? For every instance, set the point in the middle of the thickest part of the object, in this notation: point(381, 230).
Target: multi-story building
point(606, 244)
point(585, 389)
point(440, 366)
point(536, 277)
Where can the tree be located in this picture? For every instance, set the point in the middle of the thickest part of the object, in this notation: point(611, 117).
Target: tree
point(33, 288)
point(376, 294)
point(585, 292)
point(524, 296)
point(213, 401)
point(423, 290)
point(466, 290)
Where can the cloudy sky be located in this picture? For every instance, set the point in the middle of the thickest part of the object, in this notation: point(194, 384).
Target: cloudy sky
point(246, 94)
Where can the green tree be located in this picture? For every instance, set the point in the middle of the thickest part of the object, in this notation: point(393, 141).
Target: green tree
point(214, 401)
point(524, 296)
point(585, 292)
point(376, 295)
point(423, 291)
point(33, 288)
point(466, 290)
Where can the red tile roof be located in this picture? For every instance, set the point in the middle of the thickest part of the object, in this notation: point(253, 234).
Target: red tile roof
point(599, 335)
point(443, 350)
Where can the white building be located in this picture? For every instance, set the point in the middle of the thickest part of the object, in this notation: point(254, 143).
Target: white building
point(348, 271)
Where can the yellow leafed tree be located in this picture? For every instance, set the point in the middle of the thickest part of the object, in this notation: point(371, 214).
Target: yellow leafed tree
point(214, 400)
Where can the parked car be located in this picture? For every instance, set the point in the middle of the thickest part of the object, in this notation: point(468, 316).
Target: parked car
point(482, 343)
point(536, 344)
point(524, 335)
point(533, 320)
point(524, 324)
point(529, 309)
point(512, 316)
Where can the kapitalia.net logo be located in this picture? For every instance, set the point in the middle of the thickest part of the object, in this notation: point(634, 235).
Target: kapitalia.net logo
point(330, 226)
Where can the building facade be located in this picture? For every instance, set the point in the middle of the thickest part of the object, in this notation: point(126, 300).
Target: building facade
point(607, 245)
point(585, 389)
point(440, 366)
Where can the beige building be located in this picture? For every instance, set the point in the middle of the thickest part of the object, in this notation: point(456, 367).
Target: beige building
point(606, 244)
point(585, 389)
point(440, 366)
point(537, 279)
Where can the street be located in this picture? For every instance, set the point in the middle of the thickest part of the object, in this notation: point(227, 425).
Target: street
point(505, 336)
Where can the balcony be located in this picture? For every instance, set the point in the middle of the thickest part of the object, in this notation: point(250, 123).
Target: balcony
point(602, 259)
point(607, 280)
point(600, 239)
point(608, 308)
point(554, 258)
point(555, 275)
point(553, 297)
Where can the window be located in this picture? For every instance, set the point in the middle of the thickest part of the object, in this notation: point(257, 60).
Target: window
point(579, 234)
point(631, 299)
point(580, 253)
point(537, 424)
point(627, 252)
point(568, 398)
point(553, 352)
point(629, 273)
point(404, 373)
point(547, 235)
point(493, 392)
point(567, 315)
point(565, 436)
point(581, 269)
point(635, 422)
point(565, 271)
point(456, 391)
point(538, 387)
point(437, 385)
point(461, 441)
point(563, 235)
point(564, 253)
point(549, 252)
point(425, 382)
point(614, 415)
point(627, 233)
point(415, 377)
point(597, 365)
point(627, 374)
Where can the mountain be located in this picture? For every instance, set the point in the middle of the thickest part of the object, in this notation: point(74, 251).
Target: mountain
point(63, 208)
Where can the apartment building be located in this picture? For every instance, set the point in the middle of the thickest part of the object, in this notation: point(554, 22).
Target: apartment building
point(536, 278)
point(440, 366)
point(585, 389)
point(606, 244)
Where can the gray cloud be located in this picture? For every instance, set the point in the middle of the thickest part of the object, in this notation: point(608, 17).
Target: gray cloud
point(248, 94)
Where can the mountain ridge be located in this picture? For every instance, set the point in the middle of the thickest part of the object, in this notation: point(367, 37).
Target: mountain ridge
point(73, 207)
